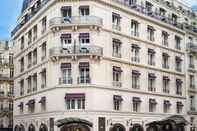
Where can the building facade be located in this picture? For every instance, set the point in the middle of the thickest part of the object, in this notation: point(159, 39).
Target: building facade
point(6, 85)
point(104, 65)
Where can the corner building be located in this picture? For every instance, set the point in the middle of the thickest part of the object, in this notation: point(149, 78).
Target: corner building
point(105, 65)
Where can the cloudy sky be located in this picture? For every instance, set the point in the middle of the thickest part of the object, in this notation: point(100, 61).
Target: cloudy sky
point(10, 9)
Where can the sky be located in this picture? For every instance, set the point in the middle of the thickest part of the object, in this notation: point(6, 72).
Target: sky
point(10, 10)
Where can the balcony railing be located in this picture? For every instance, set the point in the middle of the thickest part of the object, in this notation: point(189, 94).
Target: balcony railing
point(117, 84)
point(65, 80)
point(5, 77)
point(4, 61)
point(89, 50)
point(76, 20)
point(192, 47)
point(83, 80)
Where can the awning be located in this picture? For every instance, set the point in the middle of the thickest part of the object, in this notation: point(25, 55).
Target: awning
point(31, 102)
point(152, 101)
point(178, 59)
point(165, 55)
point(136, 99)
point(72, 120)
point(117, 69)
point(166, 78)
point(179, 81)
point(180, 104)
point(115, 14)
point(151, 50)
point(65, 65)
point(151, 27)
point(118, 98)
point(151, 75)
point(165, 33)
point(135, 46)
point(75, 96)
point(84, 65)
point(66, 8)
point(84, 7)
point(117, 41)
point(84, 35)
point(135, 72)
point(42, 100)
point(65, 36)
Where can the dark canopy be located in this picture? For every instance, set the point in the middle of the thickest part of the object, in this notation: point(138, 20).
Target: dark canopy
point(72, 120)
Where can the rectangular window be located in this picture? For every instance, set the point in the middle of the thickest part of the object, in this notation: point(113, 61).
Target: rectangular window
point(134, 28)
point(152, 105)
point(192, 103)
point(136, 104)
point(84, 10)
point(174, 19)
point(35, 82)
point(135, 79)
point(43, 48)
point(166, 106)
point(75, 101)
point(148, 7)
point(162, 12)
point(29, 84)
point(166, 82)
point(66, 11)
point(179, 87)
point(44, 25)
point(66, 40)
point(29, 57)
point(151, 33)
point(135, 50)
point(151, 82)
point(179, 107)
point(191, 62)
point(177, 42)
point(116, 48)
point(165, 61)
point(165, 36)
point(84, 70)
point(21, 87)
point(22, 42)
point(35, 57)
point(117, 102)
point(43, 78)
point(66, 73)
point(11, 61)
point(22, 64)
point(29, 34)
point(178, 64)
point(192, 81)
point(117, 76)
point(35, 32)
point(151, 57)
point(84, 38)
point(116, 21)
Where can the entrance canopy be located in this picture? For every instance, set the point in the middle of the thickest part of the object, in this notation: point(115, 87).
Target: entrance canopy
point(72, 120)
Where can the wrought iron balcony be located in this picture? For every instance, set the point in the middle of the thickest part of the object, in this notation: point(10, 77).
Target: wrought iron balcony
point(76, 51)
point(192, 47)
point(65, 80)
point(76, 21)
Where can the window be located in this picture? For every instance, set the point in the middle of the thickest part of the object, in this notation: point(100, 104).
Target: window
point(135, 79)
point(84, 10)
point(134, 28)
point(116, 48)
point(43, 47)
point(165, 61)
point(191, 62)
point(116, 19)
point(31, 105)
point(151, 82)
point(152, 105)
point(165, 36)
point(179, 107)
point(117, 102)
point(84, 38)
point(151, 32)
point(162, 12)
point(29, 84)
point(148, 6)
point(66, 73)
point(166, 106)
point(192, 81)
point(192, 103)
point(29, 34)
point(151, 57)
point(21, 106)
point(136, 104)
point(22, 42)
point(29, 57)
point(178, 64)
point(44, 25)
point(66, 40)
point(43, 78)
point(35, 82)
point(117, 76)
point(174, 19)
point(84, 69)
point(22, 87)
point(35, 57)
point(75, 101)
point(35, 32)
point(43, 103)
point(66, 11)
point(11, 58)
point(135, 50)
point(166, 82)
point(179, 87)
point(178, 42)
point(132, 2)
point(22, 64)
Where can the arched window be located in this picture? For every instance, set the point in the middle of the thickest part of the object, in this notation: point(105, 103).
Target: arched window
point(137, 127)
point(43, 127)
point(118, 127)
point(21, 128)
point(31, 127)
point(16, 128)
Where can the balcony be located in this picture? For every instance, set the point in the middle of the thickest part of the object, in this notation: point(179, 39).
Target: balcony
point(6, 62)
point(76, 21)
point(5, 77)
point(76, 51)
point(117, 84)
point(192, 48)
point(83, 80)
point(66, 81)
